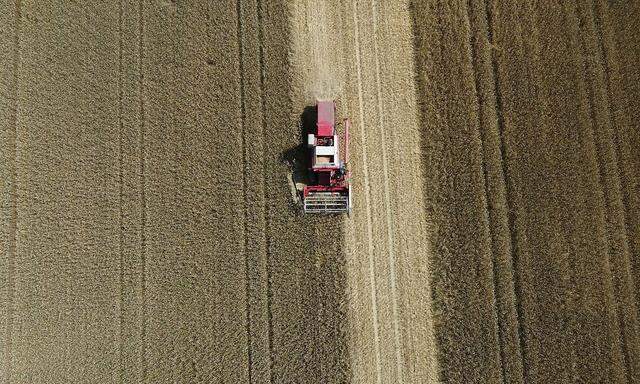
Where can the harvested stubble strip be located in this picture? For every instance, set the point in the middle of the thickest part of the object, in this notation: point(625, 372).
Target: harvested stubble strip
point(373, 224)
point(396, 121)
point(363, 315)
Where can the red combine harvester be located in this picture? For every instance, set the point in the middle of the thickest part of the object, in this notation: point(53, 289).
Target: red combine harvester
point(329, 190)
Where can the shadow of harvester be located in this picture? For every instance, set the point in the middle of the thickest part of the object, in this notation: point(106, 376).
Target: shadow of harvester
point(297, 158)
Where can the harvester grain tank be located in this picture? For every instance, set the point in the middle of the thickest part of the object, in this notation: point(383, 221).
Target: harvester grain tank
point(329, 190)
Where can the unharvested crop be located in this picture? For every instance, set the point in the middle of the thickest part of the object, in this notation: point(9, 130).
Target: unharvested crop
point(148, 232)
point(534, 280)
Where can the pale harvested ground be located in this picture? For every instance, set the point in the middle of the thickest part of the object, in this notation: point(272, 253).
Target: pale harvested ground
point(149, 235)
point(368, 47)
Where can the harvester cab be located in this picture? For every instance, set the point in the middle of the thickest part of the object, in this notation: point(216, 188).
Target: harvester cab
point(329, 190)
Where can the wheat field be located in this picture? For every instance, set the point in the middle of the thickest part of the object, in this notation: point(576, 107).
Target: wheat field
point(149, 232)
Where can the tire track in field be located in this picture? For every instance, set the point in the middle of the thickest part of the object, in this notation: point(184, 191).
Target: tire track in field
point(266, 210)
point(143, 202)
point(389, 220)
point(588, 66)
point(600, 163)
point(627, 178)
point(625, 39)
point(587, 116)
point(607, 163)
point(520, 250)
point(131, 213)
point(365, 170)
point(13, 220)
point(121, 319)
point(245, 240)
point(253, 175)
point(610, 64)
point(620, 123)
point(508, 199)
point(625, 290)
point(488, 216)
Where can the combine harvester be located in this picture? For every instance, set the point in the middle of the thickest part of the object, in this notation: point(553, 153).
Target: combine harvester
point(329, 190)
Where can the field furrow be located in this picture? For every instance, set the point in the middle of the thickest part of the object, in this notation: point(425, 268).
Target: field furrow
point(499, 203)
point(255, 246)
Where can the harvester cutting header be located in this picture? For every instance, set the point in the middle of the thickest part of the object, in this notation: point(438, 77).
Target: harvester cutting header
point(329, 190)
